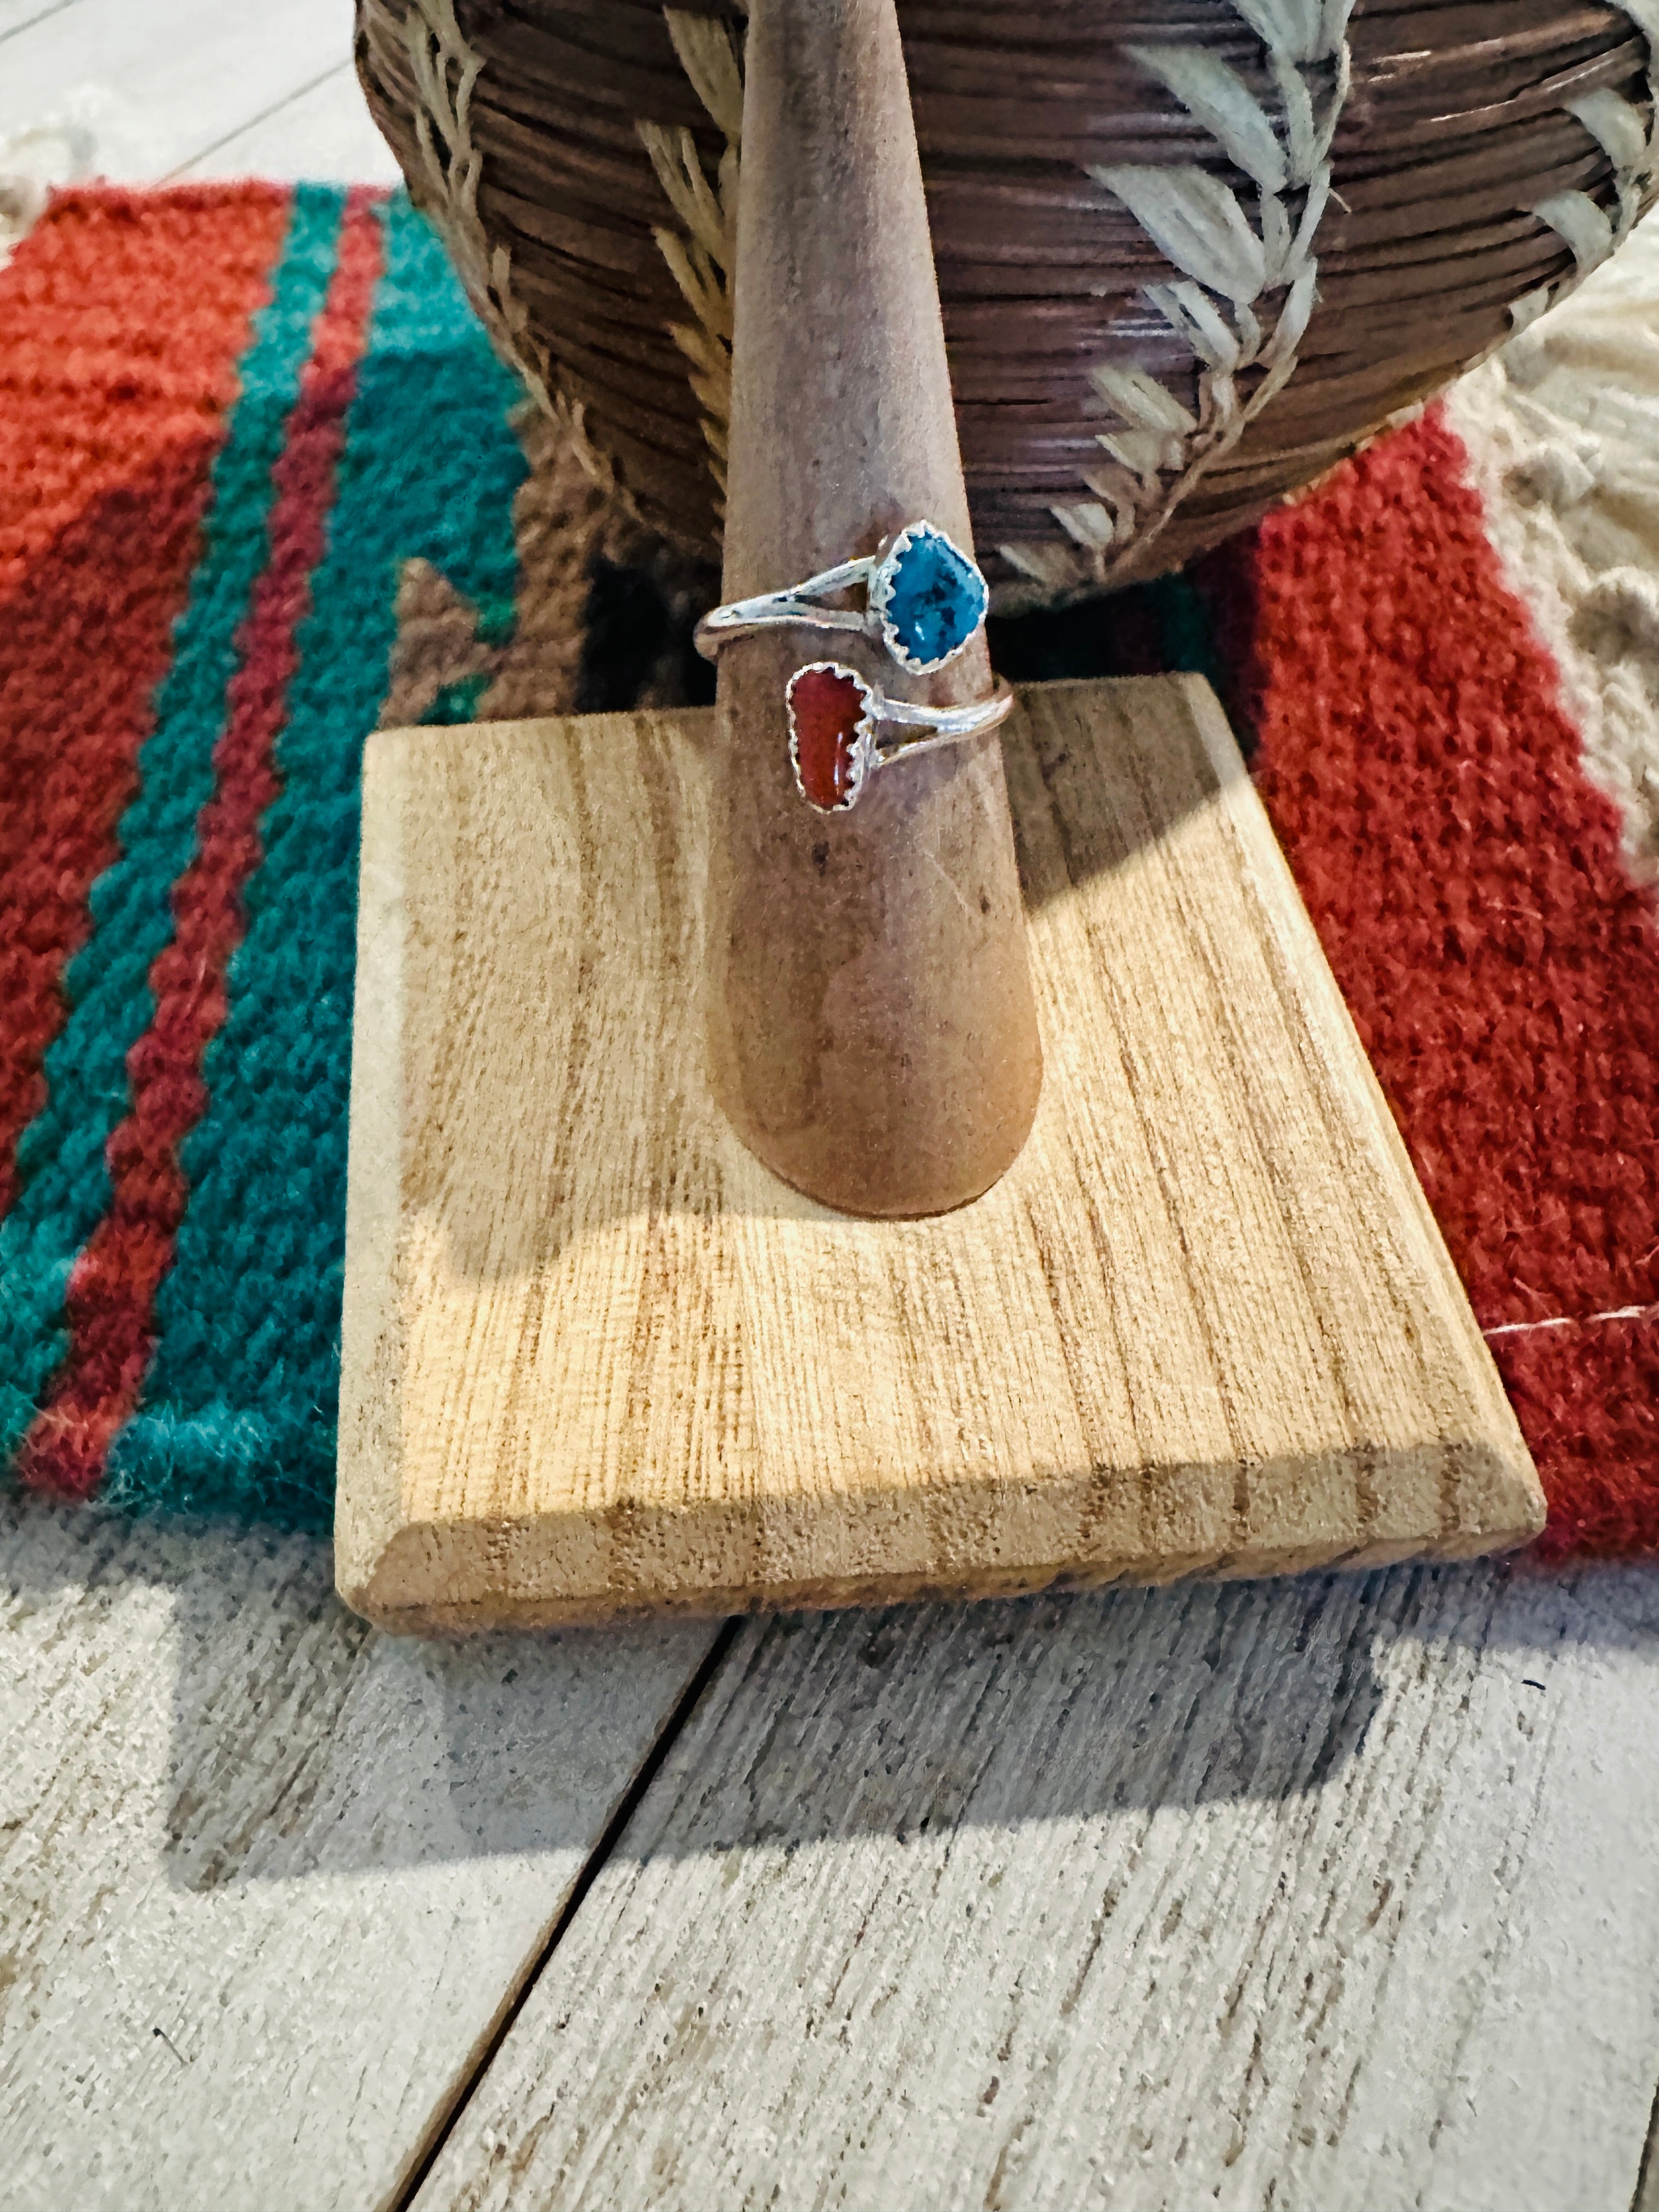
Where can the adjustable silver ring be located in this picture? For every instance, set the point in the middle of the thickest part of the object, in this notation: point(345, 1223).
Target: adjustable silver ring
point(925, 600)
point(841, 730)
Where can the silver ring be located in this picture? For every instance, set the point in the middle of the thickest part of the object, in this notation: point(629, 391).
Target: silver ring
point(841, 730)
point(925, 600)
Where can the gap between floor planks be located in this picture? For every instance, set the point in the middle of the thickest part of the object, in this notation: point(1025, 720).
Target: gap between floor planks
point(269, 1880)
point(17, 15)
point(1332, 1894)
point(282, 1895)
point(323, 134)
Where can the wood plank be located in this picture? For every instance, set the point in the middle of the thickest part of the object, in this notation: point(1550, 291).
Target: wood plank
point(158, 90)
point(267, 1879)
point(324, 134)
point(596, 1357)
point(1333, 1894)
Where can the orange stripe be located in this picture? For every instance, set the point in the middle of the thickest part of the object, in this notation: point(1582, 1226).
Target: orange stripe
point(110, 1303)
point(109, 426)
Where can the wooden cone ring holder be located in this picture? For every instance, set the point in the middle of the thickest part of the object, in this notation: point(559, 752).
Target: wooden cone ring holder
point(639, 1033)
point(873, 1032)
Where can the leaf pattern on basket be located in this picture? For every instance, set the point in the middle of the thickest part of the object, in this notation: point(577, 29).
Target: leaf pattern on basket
point(1631, 143)
point(1245, 288)
point(1245, 272)
point(701, 254)
point(446, 71)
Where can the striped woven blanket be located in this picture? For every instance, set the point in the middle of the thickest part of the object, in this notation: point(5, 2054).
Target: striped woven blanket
point(262, 486)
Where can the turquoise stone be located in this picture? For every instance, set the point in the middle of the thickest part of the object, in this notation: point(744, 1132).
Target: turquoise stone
point(936, 597)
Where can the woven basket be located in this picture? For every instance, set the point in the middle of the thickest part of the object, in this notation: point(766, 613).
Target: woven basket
point(1191, 252)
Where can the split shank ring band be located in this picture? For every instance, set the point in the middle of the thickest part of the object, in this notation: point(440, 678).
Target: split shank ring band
point(841, 730)
point(925, 599)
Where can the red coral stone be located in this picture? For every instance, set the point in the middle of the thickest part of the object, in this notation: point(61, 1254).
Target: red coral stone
point(825, 708)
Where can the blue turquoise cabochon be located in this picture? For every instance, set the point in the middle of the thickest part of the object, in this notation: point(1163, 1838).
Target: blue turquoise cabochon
point(931, 597)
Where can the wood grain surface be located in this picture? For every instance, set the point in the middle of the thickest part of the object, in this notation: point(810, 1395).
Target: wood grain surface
point(1333, 1896)
point(597, 1359)
point(268, 1879)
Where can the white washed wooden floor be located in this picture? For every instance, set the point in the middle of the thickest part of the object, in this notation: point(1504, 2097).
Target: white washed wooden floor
point(193, 87)
point(1326, 1897)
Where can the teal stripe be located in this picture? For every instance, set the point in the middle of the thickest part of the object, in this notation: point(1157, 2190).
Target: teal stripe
point(1185, 632)
point(65, 1186)
point(240, 1405)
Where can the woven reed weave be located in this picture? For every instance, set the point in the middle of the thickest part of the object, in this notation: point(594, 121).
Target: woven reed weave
point(1190, 251)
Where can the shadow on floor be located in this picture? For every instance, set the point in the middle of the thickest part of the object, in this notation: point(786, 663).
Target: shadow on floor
point(302, 1742)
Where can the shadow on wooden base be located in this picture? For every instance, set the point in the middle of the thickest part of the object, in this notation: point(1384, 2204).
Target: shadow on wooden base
point(597, 1361)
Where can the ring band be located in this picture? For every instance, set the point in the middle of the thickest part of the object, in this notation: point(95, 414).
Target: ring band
point(924, 601)
point(841, 730)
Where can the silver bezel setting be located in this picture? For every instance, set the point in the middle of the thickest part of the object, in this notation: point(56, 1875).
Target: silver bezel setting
point(864, 733)
point(801, 606)
point(880, 591)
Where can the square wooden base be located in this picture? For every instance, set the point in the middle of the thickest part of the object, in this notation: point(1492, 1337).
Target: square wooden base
point(598, 1360)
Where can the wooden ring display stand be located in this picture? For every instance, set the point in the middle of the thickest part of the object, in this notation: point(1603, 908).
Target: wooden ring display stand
point(598, 1357)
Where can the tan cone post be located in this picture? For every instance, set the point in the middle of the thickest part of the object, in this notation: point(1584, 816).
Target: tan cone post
point(873, 1033)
